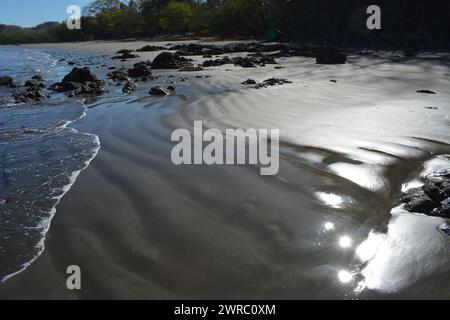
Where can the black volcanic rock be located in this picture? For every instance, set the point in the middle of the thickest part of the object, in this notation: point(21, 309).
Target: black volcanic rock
point(37, 77)
point(249, 82)
point(80, 81)
point(191, 69)
point(149, 48)
point(159, 91)
point(168, 60)
point(124, 51)
point(125, 56)
point(80, 75)
point(119, 75)
point(272, 82)
point(6, 81)
point(426, 92)
point(129, 87)
point(36, 84)
point(34, 94)
point(141, 71)
point(432, 199)
point(244, 62)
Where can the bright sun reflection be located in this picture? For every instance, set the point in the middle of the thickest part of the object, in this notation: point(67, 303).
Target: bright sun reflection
point(330, 199)
point(329, 226)
point(345, 242)
point(345, 276)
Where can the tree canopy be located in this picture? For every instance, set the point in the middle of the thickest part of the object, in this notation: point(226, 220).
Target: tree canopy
point(313, 20)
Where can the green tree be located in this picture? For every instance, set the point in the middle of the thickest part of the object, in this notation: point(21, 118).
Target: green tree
point(176, 17)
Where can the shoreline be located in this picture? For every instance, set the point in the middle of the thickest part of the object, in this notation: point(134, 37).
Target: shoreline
point(141, 228)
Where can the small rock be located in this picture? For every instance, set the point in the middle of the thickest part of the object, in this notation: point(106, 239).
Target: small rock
point(142, 71)
point(36, 84)
point(272, 82)
point(446, 229)
point(126, 56)
point(158, 91)
point(129, 87)
point(426, 92)
point(151, 48)
point(124, 51)
point(249, 82)
point(191, 69)
point(119, 75)
point(6, 81)
point(33, 94)
point(37, 77)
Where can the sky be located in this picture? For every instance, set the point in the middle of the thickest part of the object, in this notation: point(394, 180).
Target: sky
point(29, 13)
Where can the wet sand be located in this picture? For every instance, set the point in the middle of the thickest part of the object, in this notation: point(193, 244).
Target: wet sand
point(142, 228)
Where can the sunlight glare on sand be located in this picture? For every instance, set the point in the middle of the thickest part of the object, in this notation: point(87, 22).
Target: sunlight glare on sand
point(345, 242)
point(345, 276)
point(329, 226)
point(330, 199)
point(366, 176)
point(412, 249)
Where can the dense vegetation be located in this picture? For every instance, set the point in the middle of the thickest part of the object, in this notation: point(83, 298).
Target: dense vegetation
point(405, 22)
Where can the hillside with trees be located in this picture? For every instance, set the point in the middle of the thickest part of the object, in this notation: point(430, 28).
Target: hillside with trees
point(405, 22)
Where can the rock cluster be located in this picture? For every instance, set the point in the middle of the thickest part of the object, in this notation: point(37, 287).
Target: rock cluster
point(33, 90)
point(151, 48)
point(432, 199)
point(168, 60)
point(272, 82)
point(6, 81)
point(80, 81)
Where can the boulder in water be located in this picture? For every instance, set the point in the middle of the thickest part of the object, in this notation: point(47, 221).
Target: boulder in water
point(80, 81)
point(80, 75)
point(6, 81)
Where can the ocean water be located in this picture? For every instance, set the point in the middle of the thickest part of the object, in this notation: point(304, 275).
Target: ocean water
point(40, 155)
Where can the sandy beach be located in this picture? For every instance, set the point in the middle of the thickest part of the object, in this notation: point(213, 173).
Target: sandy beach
point(352, 138)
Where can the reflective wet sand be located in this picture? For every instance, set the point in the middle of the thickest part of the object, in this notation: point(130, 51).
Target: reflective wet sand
point(140, 227)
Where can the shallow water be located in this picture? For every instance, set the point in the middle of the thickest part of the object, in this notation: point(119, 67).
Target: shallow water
point(40, 157)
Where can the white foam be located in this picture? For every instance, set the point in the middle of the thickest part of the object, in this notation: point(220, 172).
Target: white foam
point(45, 224)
